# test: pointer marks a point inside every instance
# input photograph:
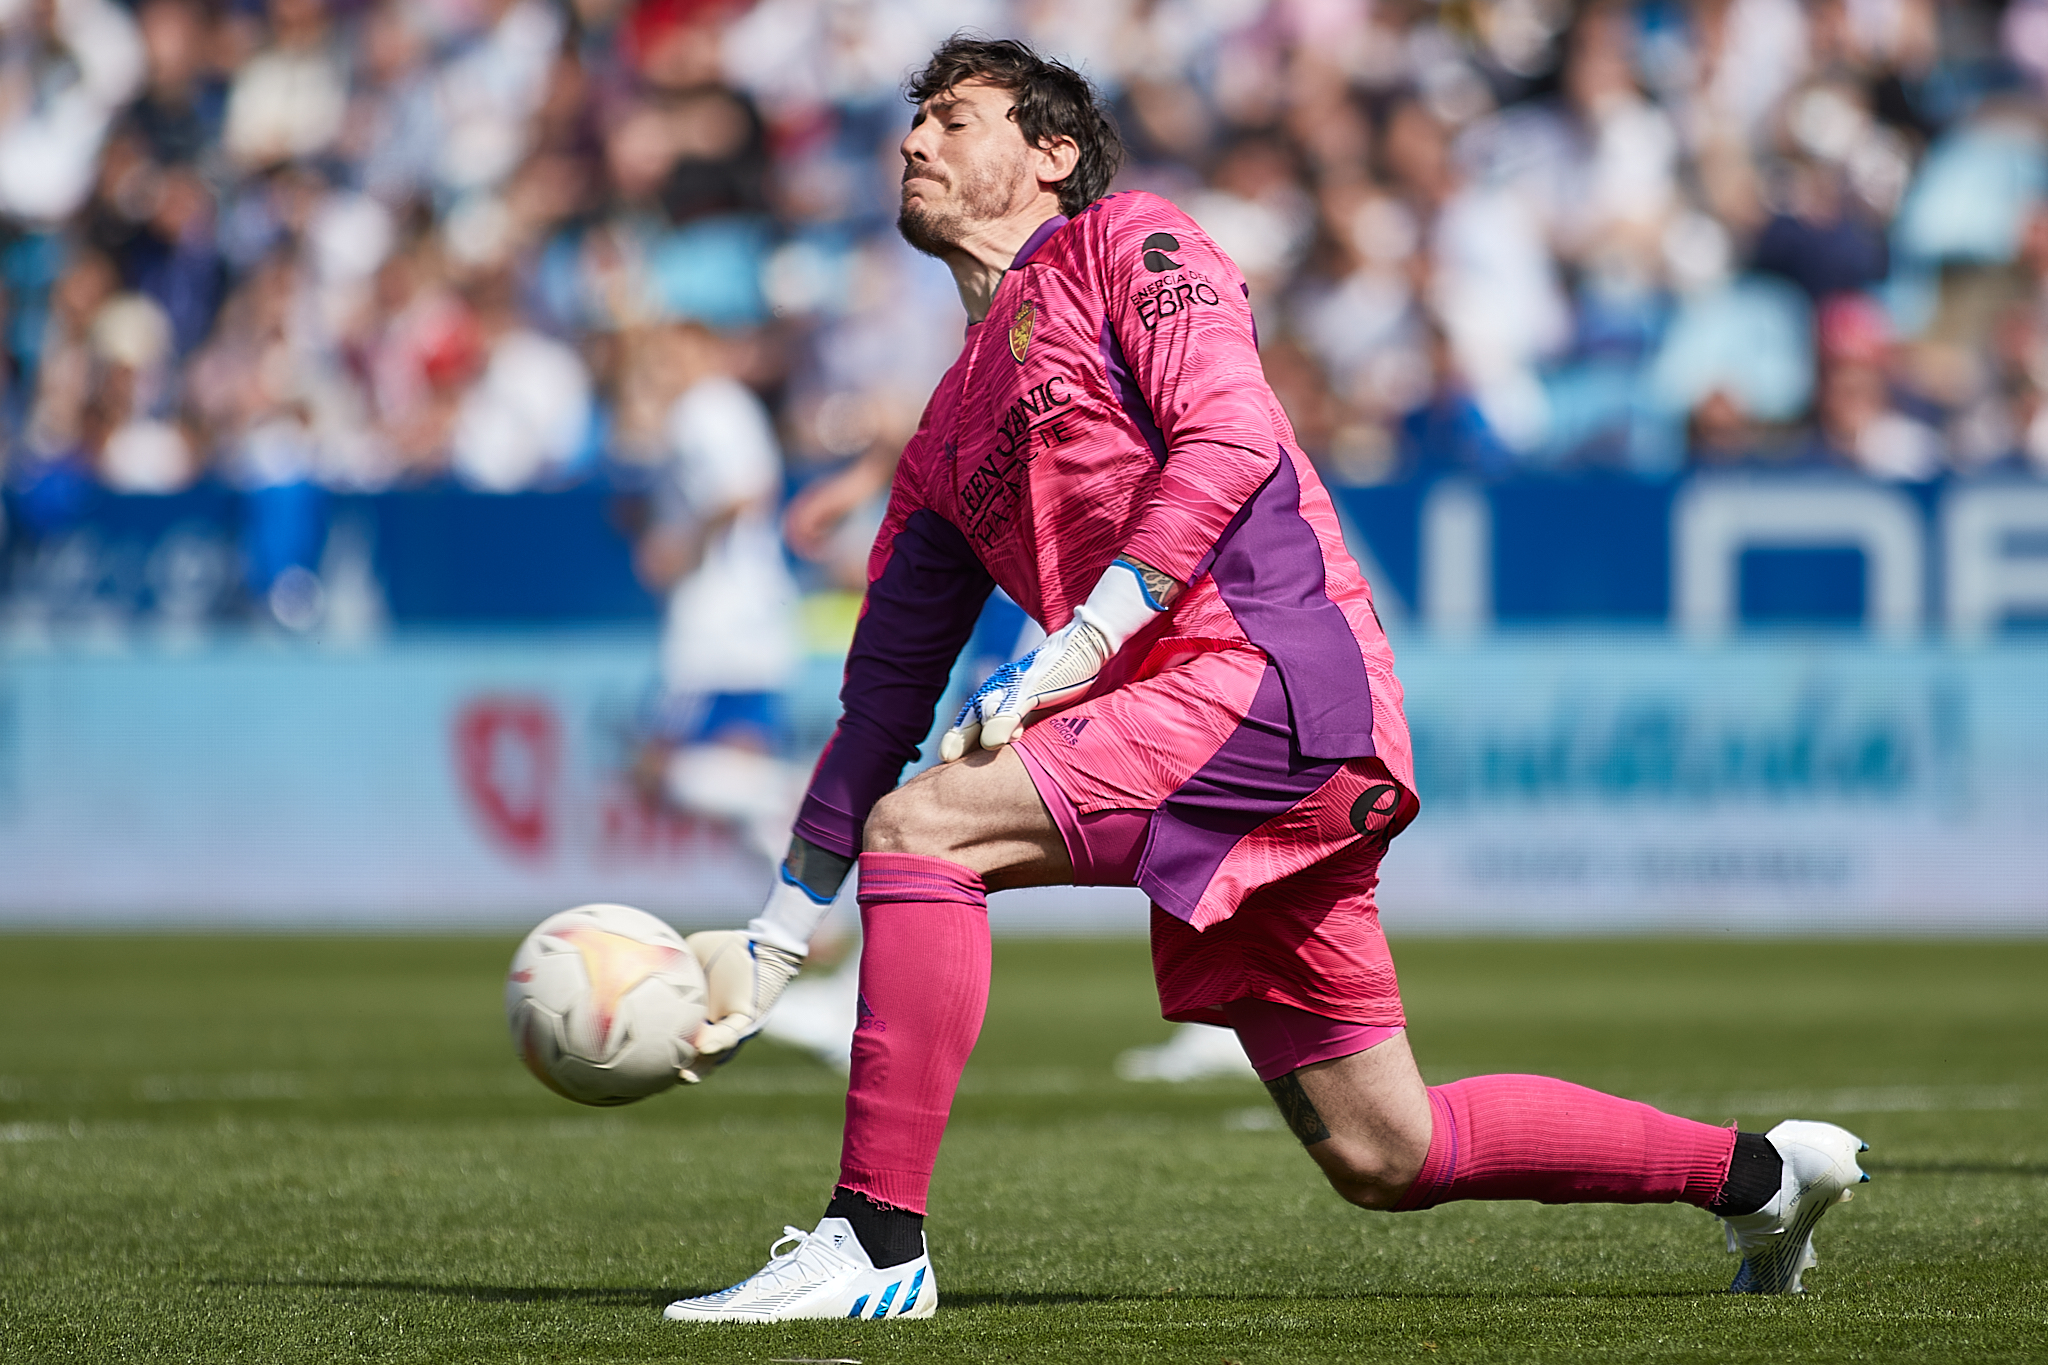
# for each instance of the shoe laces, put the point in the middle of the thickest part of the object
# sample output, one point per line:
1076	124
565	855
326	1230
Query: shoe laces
785	1266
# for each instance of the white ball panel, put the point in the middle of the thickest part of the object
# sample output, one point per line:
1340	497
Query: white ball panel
602	1001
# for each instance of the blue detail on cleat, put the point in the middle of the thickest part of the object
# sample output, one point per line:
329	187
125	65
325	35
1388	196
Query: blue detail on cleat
910	1299
1865	1180
1864	1147
858	1305
882	1308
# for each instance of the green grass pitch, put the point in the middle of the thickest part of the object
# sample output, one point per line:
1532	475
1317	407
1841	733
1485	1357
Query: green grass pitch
221	1148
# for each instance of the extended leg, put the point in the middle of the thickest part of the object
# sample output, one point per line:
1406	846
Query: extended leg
1386	1142
1364	1119
1394	1144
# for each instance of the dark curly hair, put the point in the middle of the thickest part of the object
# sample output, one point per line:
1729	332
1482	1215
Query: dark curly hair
1053	101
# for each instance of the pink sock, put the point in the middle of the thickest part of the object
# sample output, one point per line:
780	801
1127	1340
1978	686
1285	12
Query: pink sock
1531	1137
924	968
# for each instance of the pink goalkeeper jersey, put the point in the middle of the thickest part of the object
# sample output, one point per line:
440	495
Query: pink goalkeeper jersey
1111	402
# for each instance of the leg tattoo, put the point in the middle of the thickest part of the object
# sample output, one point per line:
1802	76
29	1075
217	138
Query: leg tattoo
1299	1111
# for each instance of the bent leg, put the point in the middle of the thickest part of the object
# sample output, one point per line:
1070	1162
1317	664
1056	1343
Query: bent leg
934	847
924	976
1364	1119
982	813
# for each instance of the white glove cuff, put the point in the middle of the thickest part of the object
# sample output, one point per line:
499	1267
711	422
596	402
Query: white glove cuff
1120	606
789	918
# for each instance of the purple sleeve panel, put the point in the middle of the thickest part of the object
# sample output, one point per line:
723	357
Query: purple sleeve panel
1268	567
920	610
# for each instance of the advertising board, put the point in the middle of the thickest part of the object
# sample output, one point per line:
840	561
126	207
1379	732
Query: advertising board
1603	781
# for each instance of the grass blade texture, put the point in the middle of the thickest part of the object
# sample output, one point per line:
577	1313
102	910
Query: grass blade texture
285	1149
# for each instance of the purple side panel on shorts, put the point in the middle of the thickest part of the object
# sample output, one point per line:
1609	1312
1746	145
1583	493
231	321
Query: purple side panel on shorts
1268	565
920	612
1256	774
1128	394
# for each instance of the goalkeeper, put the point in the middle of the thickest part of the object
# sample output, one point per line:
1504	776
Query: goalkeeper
1214	717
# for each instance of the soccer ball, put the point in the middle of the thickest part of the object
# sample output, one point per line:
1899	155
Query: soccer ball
602	1001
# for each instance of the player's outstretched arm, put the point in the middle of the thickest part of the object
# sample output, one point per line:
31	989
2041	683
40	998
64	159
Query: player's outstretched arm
1126	599
925	590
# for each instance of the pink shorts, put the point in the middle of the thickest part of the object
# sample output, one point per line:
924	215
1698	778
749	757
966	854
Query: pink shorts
1279	1038
1260	863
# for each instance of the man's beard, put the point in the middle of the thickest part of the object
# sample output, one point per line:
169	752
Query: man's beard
938	230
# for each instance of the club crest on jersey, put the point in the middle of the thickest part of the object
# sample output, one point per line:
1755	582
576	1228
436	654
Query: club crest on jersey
1020	329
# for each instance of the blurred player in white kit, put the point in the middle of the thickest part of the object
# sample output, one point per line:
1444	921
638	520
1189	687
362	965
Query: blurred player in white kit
728	641
1213	716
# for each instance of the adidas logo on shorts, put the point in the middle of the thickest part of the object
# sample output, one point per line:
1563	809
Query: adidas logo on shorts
1068	728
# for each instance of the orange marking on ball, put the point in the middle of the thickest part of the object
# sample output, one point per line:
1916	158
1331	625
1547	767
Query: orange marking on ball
614	965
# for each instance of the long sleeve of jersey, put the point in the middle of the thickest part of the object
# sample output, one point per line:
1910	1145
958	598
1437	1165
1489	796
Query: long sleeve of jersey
1234	498
1182	327
925	591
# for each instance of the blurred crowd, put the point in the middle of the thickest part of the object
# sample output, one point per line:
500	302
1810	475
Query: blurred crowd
357	244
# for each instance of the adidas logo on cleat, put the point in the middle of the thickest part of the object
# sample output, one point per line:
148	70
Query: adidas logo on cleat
882	1309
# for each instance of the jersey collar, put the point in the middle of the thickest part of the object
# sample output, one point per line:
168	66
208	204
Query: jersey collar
1038	239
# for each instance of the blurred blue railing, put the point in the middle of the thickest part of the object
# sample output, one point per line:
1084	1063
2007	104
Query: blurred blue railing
1706	554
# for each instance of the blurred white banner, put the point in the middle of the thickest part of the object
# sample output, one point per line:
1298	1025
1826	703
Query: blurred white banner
1780	786
1592	784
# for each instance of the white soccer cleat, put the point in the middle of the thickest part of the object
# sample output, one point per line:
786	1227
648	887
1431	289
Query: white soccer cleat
825	1274
1776	1241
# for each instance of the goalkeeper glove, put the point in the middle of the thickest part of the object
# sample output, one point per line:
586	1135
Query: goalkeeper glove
743	978
746	969
1125	600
